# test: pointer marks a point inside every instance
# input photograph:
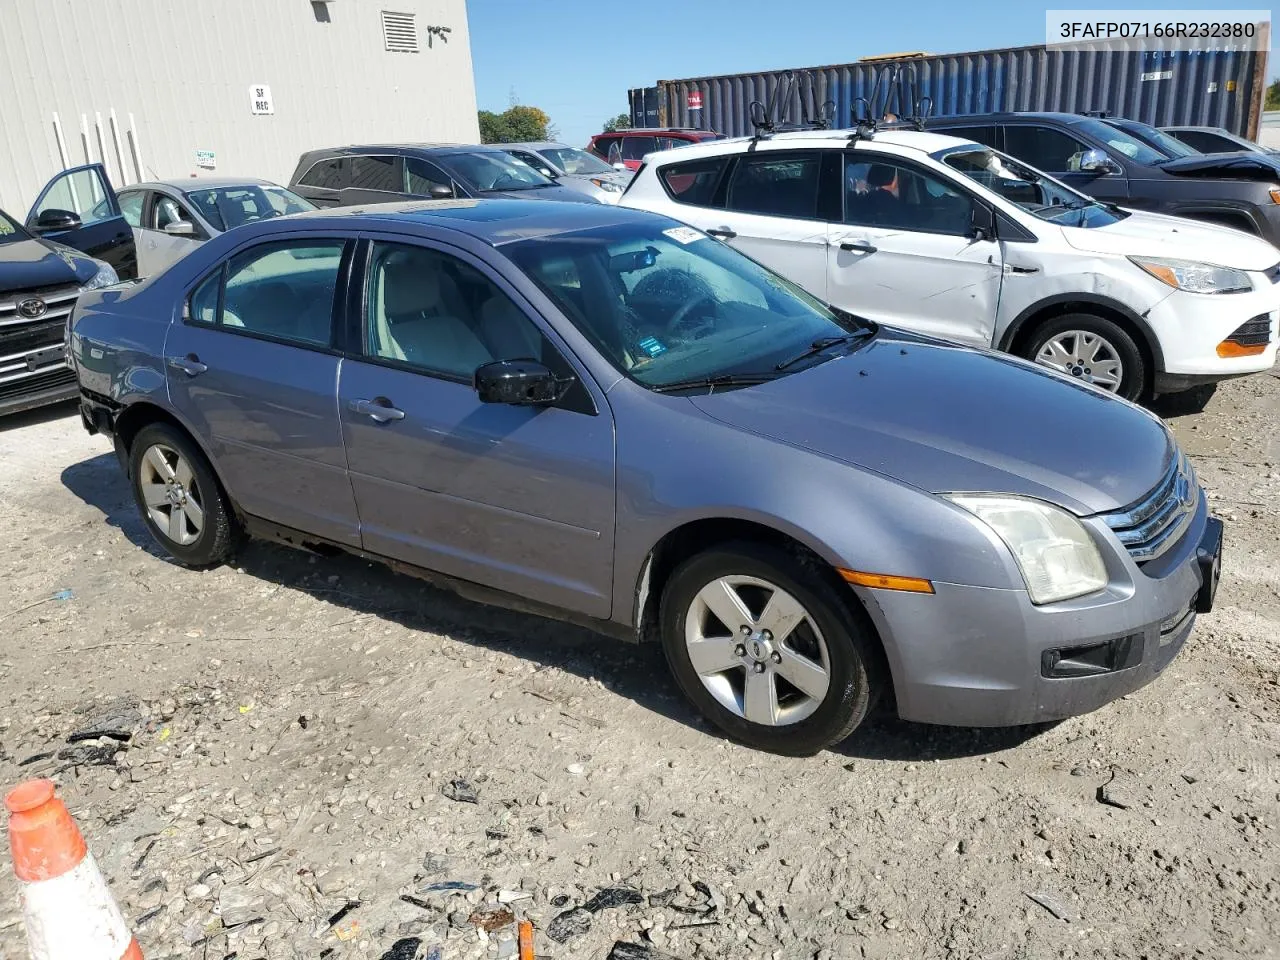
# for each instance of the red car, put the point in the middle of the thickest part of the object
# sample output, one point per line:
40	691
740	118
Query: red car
630	146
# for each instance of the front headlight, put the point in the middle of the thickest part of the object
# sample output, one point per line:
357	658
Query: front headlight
1057	557
606	186
105	276
1195	277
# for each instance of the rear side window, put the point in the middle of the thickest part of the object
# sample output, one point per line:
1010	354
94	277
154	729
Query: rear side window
376	173
603	145
131	206
328	174
777	186
634	148
693	183
1200	140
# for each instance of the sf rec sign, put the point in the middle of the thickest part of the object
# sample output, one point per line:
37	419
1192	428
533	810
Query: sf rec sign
695	99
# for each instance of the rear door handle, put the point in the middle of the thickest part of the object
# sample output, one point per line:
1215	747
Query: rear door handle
190	365
724	233
857	246
379	410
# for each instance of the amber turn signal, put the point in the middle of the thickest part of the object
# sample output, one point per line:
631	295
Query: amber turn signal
886	581
1275	194
1229	348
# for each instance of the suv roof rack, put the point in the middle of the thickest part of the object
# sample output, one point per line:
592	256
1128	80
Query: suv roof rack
766	122
900	91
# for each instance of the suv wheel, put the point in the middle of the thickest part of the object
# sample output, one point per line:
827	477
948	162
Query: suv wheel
179	497
768	652
1090	348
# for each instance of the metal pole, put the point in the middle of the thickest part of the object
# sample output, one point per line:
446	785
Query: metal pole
84	139
62	144
137	150
102	145
115	136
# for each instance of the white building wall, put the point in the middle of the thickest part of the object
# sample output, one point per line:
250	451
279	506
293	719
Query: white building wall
178	73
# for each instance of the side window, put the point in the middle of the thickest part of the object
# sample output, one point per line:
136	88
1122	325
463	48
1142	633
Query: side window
421	176
885	194
777	186
1043	148
1204	141
442	316
82	193
327	174
376	173
281	290
693	183
634	148
983	135
603	145
131	206
166	210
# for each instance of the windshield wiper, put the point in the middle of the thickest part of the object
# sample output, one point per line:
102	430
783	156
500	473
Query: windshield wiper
824	343
719	380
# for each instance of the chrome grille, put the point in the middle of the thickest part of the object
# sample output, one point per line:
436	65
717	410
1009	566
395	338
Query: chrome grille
58	302
1152	525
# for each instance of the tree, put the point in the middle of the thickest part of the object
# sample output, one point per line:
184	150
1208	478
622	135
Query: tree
1273	96
621	122
516	124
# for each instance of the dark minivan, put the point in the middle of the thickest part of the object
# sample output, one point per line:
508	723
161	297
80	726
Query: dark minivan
1111	164
344	176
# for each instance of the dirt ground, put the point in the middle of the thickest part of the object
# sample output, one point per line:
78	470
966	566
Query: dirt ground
283	737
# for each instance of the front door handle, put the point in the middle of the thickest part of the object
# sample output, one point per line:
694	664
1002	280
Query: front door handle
190	365
379	410
857	246
722	233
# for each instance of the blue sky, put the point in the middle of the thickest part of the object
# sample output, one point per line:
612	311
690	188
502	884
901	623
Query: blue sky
576	59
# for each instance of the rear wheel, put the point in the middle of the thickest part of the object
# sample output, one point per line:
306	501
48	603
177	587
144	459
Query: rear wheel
771	654
179	497
1090	348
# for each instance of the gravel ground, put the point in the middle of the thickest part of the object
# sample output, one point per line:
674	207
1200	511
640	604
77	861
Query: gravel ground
300	756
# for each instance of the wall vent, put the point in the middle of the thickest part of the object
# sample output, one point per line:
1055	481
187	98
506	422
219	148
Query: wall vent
400	32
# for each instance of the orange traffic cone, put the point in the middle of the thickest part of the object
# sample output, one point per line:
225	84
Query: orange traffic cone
69	912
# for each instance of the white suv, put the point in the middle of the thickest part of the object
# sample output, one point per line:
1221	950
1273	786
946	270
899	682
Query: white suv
950	238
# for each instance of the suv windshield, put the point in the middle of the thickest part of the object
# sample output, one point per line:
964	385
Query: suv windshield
574	161
227	207
667	304
1121	142
494	170
1033	191
10	232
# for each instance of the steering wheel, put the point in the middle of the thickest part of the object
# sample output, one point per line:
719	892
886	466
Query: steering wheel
700	327
503	178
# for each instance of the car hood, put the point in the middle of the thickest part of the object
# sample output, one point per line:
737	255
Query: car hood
556	192
1239	165
619	179
946	418
28	264
1155	235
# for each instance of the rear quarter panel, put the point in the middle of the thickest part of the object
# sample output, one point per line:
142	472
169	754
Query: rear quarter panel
117	343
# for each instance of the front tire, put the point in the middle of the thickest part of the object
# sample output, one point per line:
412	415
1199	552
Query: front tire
179	497
1090	348
767	649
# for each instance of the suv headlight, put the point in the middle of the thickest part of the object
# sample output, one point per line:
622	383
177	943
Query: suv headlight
606	186
105	276
1195	277
1057	556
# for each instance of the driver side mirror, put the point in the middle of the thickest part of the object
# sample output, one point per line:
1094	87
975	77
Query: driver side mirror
1097	162
180	228
982	222
620	167
54	219
549	173
518	382
440	192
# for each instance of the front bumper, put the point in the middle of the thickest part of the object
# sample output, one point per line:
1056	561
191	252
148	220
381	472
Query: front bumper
1192	326
984	657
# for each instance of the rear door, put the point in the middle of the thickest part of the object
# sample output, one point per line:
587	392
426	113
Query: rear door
324	181
1058	152
78	207
253	368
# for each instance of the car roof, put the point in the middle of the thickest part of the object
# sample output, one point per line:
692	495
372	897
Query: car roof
923	141
1014	115
691	131
1218	130
535	145
200	183
495	222
359	149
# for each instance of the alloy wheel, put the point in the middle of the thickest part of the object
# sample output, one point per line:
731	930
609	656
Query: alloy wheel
757	651
172	494
1086	356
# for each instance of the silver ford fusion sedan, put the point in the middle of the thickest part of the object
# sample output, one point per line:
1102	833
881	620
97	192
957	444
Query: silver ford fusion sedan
607	417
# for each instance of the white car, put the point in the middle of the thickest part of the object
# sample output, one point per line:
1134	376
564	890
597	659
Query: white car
171	218
953	239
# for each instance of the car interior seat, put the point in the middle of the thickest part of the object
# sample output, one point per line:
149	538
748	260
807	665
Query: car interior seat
411	322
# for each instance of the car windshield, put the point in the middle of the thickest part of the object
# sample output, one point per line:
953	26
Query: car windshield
1161	140
495	170
10	232
666	304
574	161
1122	142
1033	191
227	207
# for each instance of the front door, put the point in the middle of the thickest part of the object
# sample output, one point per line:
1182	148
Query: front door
78	207
169	232
776	208
520	498
253	368
1058	153
906	255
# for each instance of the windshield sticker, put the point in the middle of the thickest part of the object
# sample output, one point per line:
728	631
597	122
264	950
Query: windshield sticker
684	234
652	346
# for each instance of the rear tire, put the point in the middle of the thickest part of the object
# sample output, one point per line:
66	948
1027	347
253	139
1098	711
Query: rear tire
179	497
1092	349
795	672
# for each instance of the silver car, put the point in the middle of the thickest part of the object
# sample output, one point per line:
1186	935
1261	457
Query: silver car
572	168
170	218
608	417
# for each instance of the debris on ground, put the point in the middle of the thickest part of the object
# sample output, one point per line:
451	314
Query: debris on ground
1053	905
1116	793
460	791
492	918
572	923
